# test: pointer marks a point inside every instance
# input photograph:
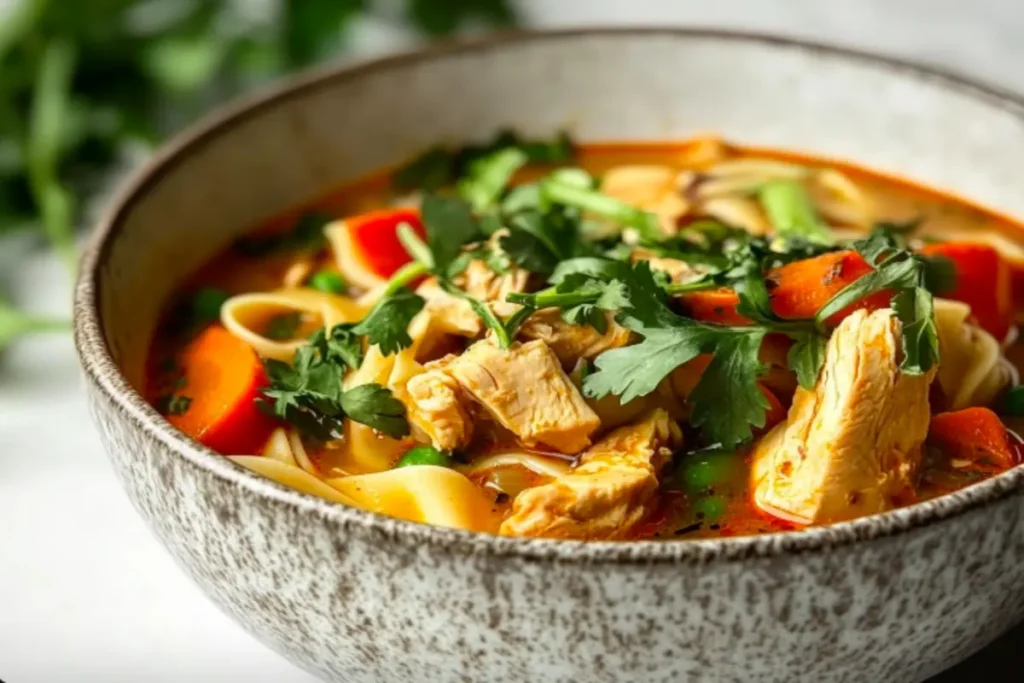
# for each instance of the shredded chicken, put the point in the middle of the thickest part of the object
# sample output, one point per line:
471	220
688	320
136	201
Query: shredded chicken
608	493
852	446
573	342
449	315
526	391
479	281
437	407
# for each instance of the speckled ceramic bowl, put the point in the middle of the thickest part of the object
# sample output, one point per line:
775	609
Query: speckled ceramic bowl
354	596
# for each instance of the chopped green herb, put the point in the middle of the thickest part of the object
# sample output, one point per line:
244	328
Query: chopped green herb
424	455
309	393
283	327
442	166
1012	402
790	211
174	404
605	206
387	324
306	235
328	281
488	177
206	305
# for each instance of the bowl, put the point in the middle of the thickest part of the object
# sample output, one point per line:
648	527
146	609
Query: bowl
353	596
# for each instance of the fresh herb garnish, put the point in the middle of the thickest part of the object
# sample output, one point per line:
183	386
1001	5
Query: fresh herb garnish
559	191
306	235
442	166
790	211
488	176
206	305
451	226
309	394
726	402
283	327
327	281
173	404
387	324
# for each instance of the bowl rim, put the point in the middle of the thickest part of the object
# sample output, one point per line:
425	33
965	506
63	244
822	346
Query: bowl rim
103	374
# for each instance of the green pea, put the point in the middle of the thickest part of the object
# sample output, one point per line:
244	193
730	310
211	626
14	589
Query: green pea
1013	402
328	281
206	304
701	472
709	508
424	455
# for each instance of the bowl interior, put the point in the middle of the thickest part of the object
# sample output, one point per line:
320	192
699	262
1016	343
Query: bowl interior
212	184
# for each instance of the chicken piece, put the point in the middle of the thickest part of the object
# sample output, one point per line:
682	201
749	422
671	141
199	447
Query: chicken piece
652	188
526	391
853	445
479	281
437	407
449	315
573	342
608	493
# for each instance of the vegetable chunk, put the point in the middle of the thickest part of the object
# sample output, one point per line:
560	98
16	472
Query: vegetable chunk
525	390
852	445
224	377
608	493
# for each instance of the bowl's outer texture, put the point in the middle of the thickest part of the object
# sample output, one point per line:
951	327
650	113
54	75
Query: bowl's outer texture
357	597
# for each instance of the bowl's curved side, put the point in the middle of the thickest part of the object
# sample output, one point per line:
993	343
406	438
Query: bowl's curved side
358	597
356	604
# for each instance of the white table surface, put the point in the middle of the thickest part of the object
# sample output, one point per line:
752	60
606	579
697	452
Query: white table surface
87	594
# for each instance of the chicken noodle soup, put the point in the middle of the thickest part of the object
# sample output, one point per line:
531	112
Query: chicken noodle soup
608	342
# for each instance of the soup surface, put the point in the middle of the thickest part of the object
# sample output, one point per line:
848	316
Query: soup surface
608	341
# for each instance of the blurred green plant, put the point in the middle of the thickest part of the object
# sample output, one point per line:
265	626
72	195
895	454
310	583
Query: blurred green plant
82	81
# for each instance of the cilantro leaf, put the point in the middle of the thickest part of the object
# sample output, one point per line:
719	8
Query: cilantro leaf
309	394
633	371
915	310
339	345
429	172
806	357
376	407
590	200
727	401
940	275
283	327
386	325
488	177
306	235
450	225
894	273
539	242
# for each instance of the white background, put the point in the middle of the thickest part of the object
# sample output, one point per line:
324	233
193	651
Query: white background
87	594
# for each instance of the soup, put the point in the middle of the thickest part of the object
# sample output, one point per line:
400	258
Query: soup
670	341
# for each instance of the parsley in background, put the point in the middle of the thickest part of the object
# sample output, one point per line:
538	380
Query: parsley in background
86	85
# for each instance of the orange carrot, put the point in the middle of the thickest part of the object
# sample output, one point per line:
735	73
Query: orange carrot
797	290
983	281
223	379
776	411
714	306
974	434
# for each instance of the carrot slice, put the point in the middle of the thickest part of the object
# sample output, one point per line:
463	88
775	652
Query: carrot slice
974	434
224	377
983	281
798	290
371	251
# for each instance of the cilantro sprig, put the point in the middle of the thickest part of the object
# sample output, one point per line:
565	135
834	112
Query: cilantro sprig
308	393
